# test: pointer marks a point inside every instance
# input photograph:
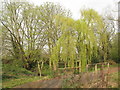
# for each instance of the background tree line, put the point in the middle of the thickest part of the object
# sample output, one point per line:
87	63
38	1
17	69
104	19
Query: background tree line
39	37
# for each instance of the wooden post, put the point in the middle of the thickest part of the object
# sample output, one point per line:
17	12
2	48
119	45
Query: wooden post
107	77
96	68
96	75
87	68
39	68
102	76
108	65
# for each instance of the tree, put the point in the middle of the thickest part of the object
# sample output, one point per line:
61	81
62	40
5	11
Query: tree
114	50
86	45
11	21
24	28
67	42
49	15
96	24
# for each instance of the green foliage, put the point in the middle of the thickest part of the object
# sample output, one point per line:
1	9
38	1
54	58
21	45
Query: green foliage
36	36
68	42
114	80
115	48
86	43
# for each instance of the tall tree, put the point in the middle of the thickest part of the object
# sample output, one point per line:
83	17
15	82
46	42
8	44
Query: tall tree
96	24
49	13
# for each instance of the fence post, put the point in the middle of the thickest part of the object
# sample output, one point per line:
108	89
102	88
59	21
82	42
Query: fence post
108	66
96	68
107	81
102	75
87	68
96	75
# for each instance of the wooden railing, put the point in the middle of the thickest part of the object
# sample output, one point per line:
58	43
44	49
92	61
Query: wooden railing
98	76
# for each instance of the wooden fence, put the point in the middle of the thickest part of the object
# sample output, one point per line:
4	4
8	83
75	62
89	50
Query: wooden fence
96	75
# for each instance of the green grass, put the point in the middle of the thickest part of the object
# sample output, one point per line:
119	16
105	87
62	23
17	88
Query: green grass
114	80
22	80
13	75
115	65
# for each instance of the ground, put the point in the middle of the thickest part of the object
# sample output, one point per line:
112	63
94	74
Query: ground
56	82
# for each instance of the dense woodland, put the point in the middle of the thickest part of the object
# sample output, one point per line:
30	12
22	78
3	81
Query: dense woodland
46	37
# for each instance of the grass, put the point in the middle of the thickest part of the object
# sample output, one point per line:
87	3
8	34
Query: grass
22	80
15	75
10	83
115	65
114	80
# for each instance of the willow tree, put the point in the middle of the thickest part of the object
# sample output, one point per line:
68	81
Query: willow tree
67	42
55	56
96	23
86	44
65	45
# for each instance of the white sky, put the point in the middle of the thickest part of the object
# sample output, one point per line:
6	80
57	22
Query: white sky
101	6
75	5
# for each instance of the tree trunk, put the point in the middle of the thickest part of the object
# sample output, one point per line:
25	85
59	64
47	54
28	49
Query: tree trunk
54	66
39	70
65	65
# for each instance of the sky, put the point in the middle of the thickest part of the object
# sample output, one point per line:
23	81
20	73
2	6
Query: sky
101	6
75	5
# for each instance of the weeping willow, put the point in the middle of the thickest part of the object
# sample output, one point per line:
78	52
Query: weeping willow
55	56
96	24
66	44
86	43
68	49
94	35
80	40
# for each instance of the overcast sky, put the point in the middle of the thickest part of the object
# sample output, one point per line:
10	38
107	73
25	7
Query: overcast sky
75	5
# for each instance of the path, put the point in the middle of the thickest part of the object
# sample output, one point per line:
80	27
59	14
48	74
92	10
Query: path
55	82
